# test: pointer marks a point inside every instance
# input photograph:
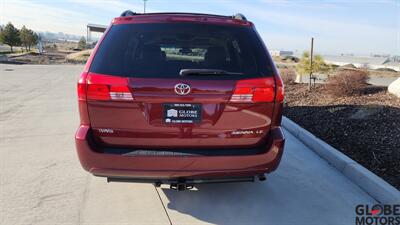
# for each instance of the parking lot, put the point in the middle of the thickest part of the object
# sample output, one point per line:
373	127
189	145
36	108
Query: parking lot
42	181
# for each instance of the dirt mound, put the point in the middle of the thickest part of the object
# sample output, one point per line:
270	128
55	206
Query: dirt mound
79	57
50	57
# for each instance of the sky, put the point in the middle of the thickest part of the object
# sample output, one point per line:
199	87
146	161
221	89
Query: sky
360	27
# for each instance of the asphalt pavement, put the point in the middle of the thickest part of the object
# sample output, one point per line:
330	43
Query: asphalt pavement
42	182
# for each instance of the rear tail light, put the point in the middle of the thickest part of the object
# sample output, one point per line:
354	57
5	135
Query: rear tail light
83	111
280	90
100	87
98	92
103	88
82	87
257	90
120	93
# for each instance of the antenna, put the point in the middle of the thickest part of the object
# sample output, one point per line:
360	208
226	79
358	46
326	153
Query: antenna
144	6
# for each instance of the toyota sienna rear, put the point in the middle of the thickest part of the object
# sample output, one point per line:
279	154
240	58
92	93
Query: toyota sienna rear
180	98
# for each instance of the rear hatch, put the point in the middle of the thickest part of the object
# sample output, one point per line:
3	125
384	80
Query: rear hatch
180	85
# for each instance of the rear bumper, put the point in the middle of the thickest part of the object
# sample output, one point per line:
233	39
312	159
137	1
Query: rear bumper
171	167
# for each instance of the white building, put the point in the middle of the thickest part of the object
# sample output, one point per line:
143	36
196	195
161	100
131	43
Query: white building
280	53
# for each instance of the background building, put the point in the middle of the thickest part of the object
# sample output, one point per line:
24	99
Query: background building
280	53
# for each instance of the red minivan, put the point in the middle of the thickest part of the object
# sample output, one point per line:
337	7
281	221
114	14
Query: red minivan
180	99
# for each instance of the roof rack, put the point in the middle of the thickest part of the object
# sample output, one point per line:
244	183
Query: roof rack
237	16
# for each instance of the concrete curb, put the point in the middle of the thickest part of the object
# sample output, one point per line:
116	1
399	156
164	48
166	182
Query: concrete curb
375	186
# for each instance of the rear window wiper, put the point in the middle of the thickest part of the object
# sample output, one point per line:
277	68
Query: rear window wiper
201	72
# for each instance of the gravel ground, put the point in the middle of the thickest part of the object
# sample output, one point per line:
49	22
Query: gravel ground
364	127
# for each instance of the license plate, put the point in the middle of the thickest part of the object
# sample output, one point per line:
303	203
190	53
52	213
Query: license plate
181	113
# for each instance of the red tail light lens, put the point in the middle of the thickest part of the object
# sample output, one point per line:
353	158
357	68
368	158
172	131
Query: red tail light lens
104	88
280	91
82	87
82	94
254	90
98	92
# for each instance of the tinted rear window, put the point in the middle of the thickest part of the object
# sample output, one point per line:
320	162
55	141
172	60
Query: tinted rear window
161	50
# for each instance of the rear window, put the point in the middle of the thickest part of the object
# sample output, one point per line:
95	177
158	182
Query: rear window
162	50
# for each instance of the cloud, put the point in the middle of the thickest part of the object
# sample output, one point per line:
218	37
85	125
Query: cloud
70	16
113	6
304	4
43	17
335	32
284	23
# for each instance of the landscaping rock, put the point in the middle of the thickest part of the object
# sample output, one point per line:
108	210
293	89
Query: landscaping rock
299	78
394	87
364	127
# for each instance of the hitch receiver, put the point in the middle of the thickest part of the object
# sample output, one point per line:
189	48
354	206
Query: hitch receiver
181	186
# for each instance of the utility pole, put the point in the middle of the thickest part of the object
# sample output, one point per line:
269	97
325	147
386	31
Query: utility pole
144	6
311	63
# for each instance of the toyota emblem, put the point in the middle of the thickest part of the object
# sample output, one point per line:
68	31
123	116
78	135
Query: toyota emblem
182	89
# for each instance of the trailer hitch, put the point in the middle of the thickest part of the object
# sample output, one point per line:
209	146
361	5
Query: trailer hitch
181	186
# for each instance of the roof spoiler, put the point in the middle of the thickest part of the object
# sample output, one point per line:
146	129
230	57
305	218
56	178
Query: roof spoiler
128	13
237	16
